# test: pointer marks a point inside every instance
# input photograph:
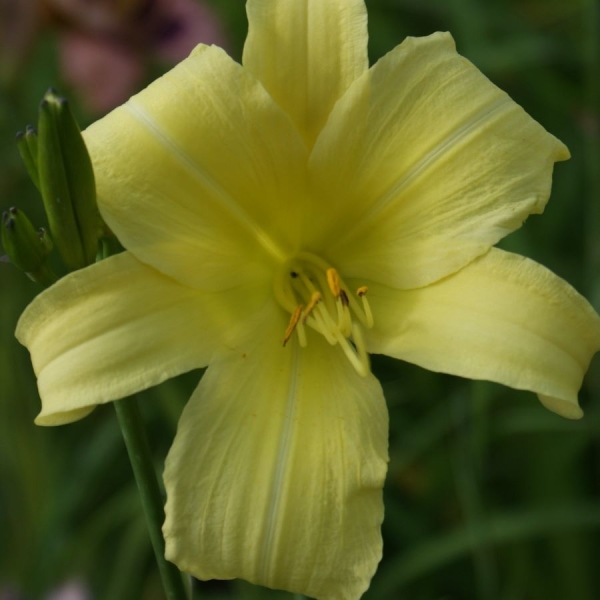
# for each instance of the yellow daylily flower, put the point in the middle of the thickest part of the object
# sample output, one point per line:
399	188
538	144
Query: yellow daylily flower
306	198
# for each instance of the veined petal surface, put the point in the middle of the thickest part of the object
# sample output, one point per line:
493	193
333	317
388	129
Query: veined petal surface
306	53
503	318
276	471
423	165
118	327
200	174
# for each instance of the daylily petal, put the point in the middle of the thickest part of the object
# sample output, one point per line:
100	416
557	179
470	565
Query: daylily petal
119	327
191	174
423	165
502	318
306	53
276	471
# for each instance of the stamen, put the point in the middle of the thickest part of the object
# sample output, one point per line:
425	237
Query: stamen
325	324
361	292
359	342
301	331
314	300
322	320
315	296
292	324
344	297
308	284
320	279
362	367
333	279
341	317
344	316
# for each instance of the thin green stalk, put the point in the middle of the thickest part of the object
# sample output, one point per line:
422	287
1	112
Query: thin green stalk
138	449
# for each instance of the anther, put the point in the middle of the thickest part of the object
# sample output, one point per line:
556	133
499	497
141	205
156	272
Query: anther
333	279
292	324
344	297
314	300
315	296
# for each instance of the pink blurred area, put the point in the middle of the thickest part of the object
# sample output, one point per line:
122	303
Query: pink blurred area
102	73
71	590
105	46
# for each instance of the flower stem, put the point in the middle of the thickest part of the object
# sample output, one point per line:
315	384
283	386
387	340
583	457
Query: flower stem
130	420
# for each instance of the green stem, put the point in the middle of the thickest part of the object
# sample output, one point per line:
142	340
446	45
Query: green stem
138	449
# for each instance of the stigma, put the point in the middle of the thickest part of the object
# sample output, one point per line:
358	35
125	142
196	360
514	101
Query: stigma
316	297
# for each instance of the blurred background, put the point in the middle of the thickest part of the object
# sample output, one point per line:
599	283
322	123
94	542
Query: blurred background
489	496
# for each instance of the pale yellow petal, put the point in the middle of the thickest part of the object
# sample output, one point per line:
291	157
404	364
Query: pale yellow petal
306	53
118	327
503	318
424	165
62	418
199	175
276	472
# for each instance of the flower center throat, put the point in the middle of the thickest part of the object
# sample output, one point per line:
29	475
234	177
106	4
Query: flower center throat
315	296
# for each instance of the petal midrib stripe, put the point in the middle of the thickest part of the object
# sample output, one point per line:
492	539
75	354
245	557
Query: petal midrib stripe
285	445
422	166
226	200
127	322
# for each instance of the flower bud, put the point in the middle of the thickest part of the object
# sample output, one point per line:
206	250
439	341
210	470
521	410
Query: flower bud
26	248
45	240
67	183
27	145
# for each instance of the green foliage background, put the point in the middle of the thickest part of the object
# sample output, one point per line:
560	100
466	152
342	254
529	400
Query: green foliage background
489	496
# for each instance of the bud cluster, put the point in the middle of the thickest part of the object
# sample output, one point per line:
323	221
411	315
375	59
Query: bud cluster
27	248
59	165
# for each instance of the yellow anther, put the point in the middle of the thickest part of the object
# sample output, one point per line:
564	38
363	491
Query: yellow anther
333	279
292	324
314	300
316	297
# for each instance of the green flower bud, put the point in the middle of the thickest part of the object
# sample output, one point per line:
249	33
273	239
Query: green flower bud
27	145
26	248
67	183
45	240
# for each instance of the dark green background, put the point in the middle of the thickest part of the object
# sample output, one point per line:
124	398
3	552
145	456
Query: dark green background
489	496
